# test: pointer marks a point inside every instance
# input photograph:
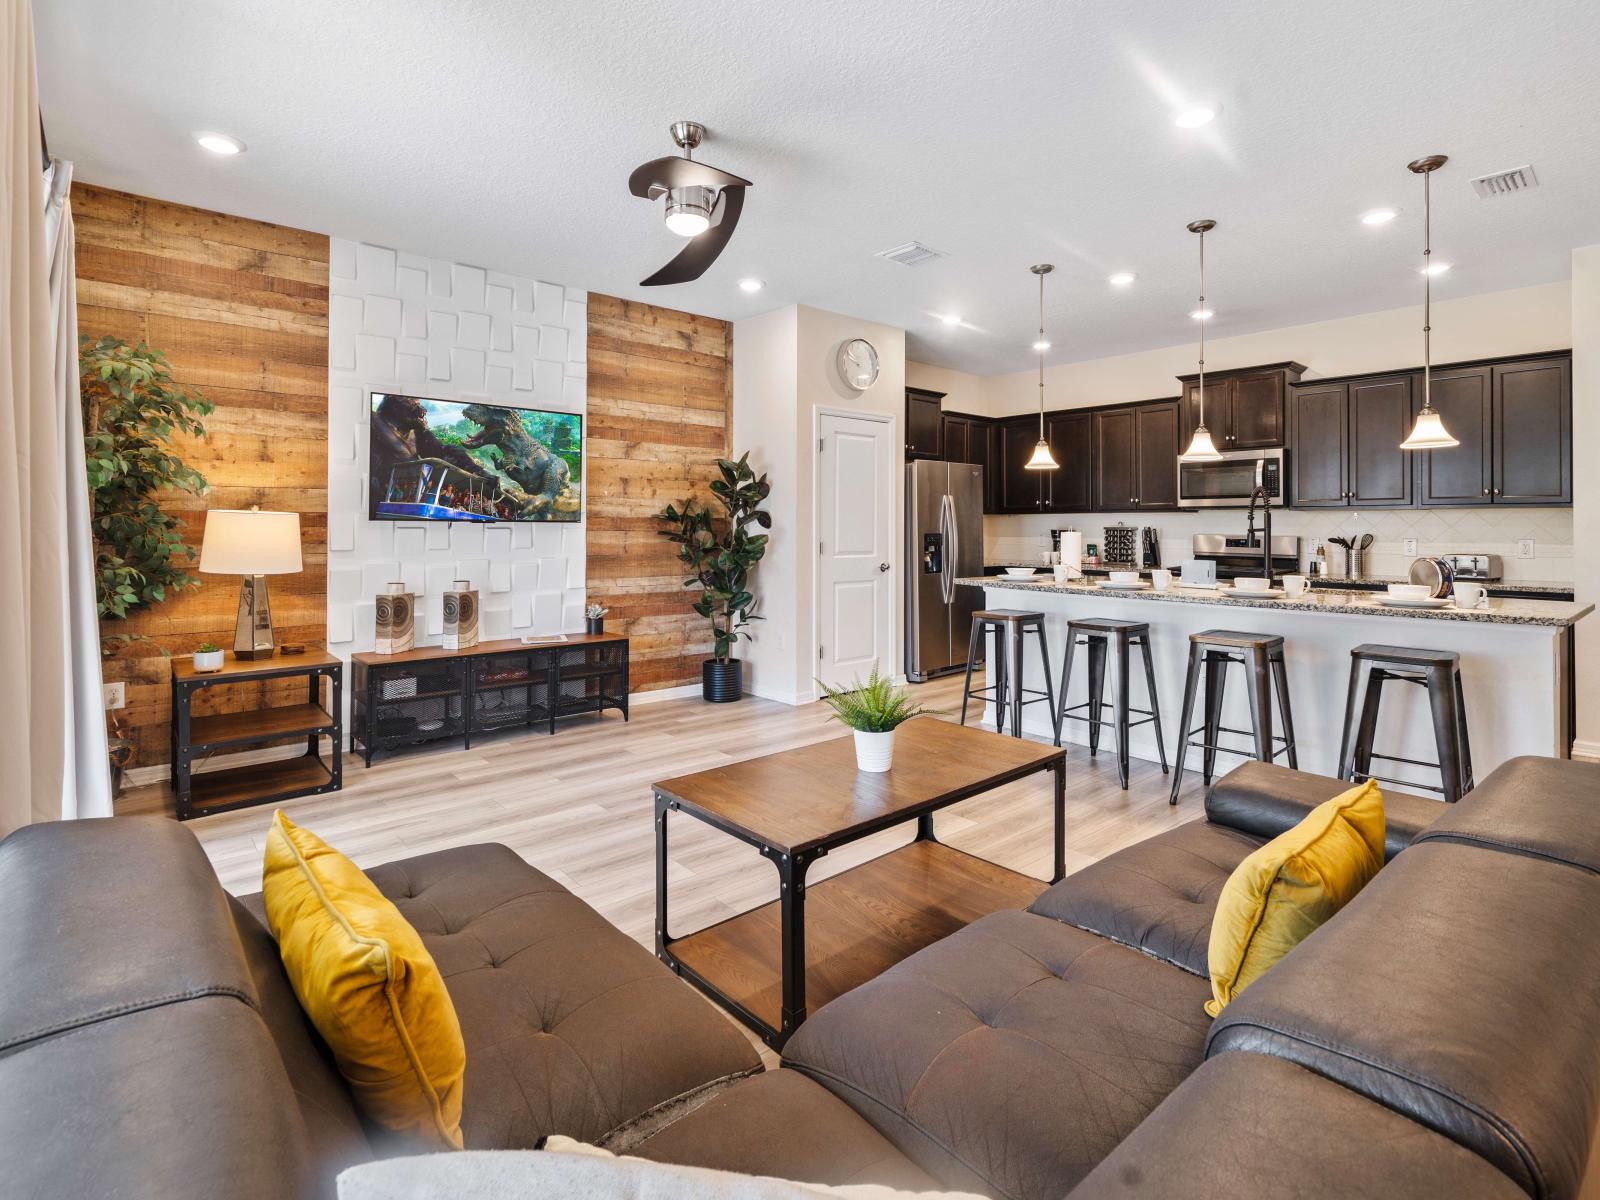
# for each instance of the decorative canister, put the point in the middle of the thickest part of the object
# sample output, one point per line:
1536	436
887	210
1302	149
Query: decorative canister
396	624
460	616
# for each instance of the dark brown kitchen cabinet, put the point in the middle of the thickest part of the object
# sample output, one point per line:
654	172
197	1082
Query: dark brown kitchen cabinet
1135	457
1344	445
965	439
924	424
1464	474
1244	408
1020	490
1319	450
1070	487
1532	426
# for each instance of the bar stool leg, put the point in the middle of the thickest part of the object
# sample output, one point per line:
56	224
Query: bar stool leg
1442	703
1346	751
1361	752
1121	714
1261	705
1191	684
1155	703
1097	689
1216	688
1044	667
998	657
1066	681
1467	781
1021	676
974	640
1280	681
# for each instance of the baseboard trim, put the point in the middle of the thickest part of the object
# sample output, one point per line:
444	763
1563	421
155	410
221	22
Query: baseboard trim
1587	750
655	695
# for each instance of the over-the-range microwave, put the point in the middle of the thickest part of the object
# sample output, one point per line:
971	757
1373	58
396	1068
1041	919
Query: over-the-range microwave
1230	481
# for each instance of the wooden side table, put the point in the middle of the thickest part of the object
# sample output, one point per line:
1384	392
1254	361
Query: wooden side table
256	783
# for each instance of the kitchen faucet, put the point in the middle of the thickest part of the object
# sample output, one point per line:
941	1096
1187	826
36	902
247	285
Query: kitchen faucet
1266	530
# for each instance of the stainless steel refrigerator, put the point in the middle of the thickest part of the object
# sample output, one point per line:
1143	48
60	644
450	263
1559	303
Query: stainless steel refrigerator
944	542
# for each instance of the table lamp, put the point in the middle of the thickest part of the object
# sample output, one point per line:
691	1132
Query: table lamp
254	544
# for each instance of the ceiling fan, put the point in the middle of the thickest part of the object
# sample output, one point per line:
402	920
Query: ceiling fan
696	194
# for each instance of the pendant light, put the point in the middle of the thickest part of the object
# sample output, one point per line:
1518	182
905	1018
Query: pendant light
1042	459
1201	448
1429	432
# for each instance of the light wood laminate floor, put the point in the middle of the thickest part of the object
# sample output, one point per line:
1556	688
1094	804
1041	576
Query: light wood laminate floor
578	807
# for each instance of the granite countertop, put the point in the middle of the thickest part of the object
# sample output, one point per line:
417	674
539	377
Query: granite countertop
1323	600
1321	582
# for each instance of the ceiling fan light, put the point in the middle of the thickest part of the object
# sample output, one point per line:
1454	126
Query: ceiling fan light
1042	459
689	210
1429	433
1201	448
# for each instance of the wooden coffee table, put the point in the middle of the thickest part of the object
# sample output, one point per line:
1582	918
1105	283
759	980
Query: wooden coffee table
766	965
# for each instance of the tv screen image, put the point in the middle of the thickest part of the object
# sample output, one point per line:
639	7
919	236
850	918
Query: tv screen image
440	460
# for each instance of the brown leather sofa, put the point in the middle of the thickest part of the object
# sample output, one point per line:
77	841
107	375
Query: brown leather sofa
1437	1037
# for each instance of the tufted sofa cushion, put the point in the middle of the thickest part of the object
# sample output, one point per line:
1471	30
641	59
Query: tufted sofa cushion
1157	896
1012	1056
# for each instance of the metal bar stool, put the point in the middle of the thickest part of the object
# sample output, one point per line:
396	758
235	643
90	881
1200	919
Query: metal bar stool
1211	653
1008	626
1439	671
1098	634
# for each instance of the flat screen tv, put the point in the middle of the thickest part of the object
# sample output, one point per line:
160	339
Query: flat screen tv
440	460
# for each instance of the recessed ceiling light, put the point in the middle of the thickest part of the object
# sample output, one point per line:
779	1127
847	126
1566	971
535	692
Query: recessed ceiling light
1378	216
219	143
751	285
1121	279
1434	269
951	318
1196	115
1041	345
1202	314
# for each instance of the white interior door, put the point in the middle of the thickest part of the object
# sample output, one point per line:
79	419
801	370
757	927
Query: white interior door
855	518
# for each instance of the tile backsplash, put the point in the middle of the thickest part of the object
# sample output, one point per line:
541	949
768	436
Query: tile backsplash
1436	530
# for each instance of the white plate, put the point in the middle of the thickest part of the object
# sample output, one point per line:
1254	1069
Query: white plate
1430	602
1020	573
1125	587
1269	593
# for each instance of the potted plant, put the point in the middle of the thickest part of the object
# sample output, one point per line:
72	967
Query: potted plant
873	709
208	657
720	551
594	618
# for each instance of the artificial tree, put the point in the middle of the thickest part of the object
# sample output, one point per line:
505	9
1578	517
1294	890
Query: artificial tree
720	552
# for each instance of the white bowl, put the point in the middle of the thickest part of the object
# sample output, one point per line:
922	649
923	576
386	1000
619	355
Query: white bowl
1252	583
1019	572
1410	591
1124	576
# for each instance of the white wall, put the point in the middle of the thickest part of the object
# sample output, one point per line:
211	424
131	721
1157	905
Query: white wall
962	392
1585	336
402	323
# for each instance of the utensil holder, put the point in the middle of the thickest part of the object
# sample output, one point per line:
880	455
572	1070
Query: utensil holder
1355	564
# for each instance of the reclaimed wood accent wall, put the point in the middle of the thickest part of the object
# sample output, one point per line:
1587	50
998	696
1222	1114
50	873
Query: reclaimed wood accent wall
660	410
241	310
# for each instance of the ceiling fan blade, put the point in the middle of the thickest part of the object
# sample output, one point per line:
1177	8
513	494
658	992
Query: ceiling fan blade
702	250
651	179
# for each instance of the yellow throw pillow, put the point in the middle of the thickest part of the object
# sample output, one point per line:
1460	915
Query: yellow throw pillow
368	984
1291	885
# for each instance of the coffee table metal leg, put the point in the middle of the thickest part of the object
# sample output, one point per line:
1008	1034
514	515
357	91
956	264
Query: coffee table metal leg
662	936
1060	770
792	897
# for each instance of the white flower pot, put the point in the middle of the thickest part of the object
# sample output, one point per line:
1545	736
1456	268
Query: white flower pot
874	751
209	660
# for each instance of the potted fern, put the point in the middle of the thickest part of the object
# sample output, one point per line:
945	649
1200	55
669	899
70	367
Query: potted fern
874	710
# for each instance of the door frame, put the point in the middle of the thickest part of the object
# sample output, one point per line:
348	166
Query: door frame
896	486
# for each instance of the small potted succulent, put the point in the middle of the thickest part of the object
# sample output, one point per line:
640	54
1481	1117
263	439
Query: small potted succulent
594	618
873	710
208	657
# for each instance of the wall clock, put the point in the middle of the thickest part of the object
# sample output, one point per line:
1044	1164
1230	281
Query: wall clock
858	364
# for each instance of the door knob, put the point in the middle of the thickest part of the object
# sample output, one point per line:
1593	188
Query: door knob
883	566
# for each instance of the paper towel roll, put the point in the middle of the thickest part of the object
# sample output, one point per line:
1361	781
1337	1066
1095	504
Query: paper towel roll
1072	549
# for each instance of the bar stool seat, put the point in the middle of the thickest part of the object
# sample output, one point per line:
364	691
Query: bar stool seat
1437	671
1099	634
1210	654
1008	627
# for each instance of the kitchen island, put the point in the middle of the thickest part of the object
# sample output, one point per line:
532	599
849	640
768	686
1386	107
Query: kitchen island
1515	665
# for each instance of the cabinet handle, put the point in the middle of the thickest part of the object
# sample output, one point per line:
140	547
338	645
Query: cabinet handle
1485	491
1496	491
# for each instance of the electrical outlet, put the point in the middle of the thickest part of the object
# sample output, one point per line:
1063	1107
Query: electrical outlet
1524	547
1411	547
115	695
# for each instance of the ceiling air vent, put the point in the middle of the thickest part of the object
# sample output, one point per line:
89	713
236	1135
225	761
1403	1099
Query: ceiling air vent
910	254
1503	183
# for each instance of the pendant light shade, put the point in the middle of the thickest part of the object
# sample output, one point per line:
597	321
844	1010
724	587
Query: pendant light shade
1201	447
1429	432
1042	459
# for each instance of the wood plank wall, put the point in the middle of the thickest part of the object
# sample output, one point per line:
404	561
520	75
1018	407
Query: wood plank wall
660	410
241	309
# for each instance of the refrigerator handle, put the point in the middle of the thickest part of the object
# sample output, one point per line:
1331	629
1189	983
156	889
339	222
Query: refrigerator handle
953	548
947	535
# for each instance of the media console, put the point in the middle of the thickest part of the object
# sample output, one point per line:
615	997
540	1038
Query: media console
431	694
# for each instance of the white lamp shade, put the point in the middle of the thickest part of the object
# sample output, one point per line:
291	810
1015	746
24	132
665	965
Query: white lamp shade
1201	447
250	542
1042	459
1429	433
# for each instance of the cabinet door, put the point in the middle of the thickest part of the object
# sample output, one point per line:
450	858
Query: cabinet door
1070	488
1256	412
1021	490
993	470
1115	460
1318	455
1460	475
1381	414
923	423
1219	411
953	439
1156	464
1533	433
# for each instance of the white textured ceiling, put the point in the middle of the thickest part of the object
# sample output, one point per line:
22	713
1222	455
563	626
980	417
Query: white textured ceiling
502	132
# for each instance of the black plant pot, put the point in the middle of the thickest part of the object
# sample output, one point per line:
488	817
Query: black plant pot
722	682
595	624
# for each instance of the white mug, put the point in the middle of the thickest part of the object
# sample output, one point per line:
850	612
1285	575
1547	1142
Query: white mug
1294	586
1062	572
1160	579
1471	595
